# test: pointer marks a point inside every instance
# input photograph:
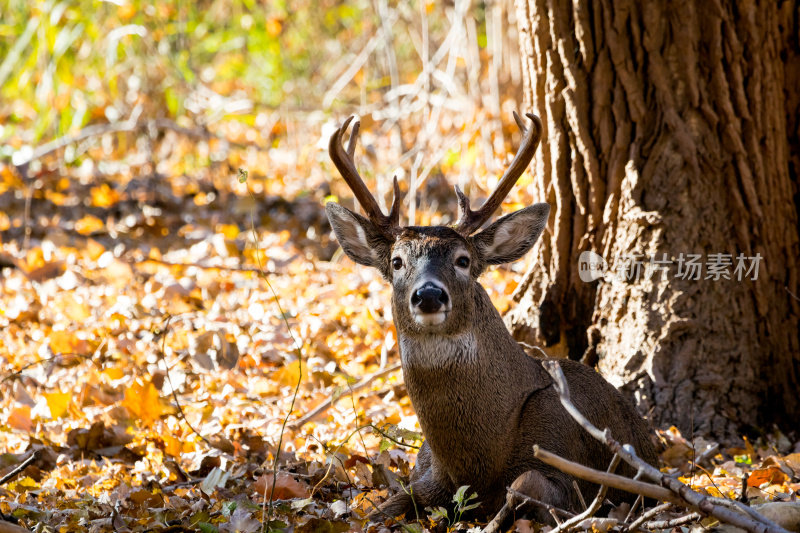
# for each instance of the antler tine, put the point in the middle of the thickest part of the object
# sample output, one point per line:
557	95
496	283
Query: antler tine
344	161
470	220
351	145
394	213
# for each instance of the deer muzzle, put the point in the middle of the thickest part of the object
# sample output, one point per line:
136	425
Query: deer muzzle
430	304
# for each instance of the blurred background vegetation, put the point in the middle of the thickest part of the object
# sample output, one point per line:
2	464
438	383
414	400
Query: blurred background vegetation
70	64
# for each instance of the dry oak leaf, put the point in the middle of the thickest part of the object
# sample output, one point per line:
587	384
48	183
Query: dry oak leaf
286	487
772	475
143	402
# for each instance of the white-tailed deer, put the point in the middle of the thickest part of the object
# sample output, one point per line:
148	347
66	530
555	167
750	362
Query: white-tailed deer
482	402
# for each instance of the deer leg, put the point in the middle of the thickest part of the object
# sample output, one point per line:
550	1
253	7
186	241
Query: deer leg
553	490
426	489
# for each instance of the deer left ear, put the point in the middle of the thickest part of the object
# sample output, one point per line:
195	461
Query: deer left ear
511	236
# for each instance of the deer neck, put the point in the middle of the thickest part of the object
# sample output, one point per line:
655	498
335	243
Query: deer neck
470	384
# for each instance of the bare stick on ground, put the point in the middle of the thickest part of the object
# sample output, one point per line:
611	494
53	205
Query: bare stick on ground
593	507
324	406
730	512
19	468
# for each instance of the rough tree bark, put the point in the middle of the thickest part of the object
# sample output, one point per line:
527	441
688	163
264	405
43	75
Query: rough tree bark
671	127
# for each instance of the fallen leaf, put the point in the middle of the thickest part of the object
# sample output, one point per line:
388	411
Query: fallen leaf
144	403
286	487
20	418
58	402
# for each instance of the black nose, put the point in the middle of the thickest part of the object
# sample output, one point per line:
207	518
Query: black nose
429	298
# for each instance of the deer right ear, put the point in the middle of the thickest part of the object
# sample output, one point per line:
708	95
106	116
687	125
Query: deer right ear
511	236
359	238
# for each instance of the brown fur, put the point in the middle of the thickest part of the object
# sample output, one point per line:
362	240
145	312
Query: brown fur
482	402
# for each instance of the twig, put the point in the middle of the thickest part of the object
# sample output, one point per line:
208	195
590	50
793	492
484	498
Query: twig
742	516
125	126
597	524
56	359
19	468
197	265
352	69
579	493
324	406
793	295
595	505
635	505
647	515
647	490
669	524
298	350
169	380
505	511
533	501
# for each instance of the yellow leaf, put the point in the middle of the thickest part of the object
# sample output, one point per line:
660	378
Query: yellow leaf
89	224
77	311
229	230
103	196
58	402
113	373
23	484
289	374
143	402
94	249
63	342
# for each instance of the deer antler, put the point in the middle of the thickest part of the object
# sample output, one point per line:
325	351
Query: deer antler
343	159
469	220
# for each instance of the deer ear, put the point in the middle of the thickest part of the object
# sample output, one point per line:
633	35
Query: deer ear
359	238
511	236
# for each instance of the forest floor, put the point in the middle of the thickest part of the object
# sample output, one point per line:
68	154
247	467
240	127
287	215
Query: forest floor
172	309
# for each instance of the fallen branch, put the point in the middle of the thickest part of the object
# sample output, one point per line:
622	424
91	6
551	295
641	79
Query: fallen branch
675	522
19	468
734	513
8	527
647	515
324	406
648	490
593	507
522	499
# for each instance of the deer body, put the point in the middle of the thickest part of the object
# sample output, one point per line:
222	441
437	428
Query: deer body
482	402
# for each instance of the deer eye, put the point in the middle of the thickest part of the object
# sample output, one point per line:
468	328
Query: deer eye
462	262
397	263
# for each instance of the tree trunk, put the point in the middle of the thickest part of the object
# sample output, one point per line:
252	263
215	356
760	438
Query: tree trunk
671	127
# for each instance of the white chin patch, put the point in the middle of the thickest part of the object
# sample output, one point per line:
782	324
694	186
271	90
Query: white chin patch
430	319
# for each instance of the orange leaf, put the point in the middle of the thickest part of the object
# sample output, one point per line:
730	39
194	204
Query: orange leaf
143	402
20	418
772	475
286	487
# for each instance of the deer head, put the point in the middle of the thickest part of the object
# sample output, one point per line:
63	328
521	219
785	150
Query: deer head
433	269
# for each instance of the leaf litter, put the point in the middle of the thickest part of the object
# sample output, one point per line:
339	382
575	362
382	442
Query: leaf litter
151	368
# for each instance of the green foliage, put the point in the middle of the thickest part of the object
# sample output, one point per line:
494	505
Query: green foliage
463	503
67	63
